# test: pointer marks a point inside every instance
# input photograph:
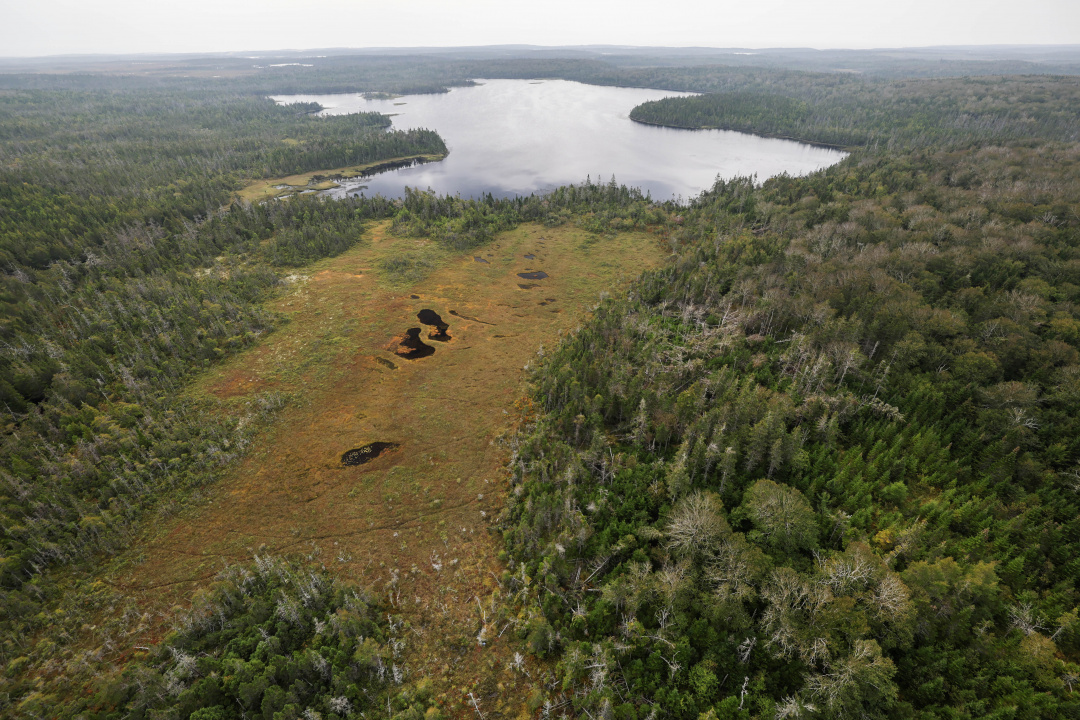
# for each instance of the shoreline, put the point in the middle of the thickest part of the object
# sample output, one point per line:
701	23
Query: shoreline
268	189
770	136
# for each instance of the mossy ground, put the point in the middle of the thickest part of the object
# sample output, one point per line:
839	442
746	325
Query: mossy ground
415	523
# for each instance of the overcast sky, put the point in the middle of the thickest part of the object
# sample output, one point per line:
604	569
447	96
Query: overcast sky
47	27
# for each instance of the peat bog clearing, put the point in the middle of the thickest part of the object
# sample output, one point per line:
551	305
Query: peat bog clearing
388	472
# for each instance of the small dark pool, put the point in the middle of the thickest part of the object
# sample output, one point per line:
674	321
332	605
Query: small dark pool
432	318
412	347
455	313
366	453
429	317
534	275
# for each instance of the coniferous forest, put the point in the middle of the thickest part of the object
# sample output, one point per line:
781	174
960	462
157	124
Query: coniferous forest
823	463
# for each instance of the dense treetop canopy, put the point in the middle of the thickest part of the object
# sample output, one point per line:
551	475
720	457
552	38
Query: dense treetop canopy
824	463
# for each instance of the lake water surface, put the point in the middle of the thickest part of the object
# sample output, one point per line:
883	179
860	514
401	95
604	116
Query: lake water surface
516	137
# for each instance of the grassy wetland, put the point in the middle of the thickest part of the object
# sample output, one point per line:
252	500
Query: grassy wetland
415	521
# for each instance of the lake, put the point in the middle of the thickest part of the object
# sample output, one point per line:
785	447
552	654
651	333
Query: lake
517	137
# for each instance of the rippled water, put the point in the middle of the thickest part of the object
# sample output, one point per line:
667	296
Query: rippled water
511	137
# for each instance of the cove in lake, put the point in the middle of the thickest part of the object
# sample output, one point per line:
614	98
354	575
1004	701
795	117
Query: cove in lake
517	137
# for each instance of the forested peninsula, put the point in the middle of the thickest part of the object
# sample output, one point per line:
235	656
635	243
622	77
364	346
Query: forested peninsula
824	462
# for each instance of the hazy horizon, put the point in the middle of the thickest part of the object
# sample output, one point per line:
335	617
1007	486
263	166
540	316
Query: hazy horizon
435	49
126	27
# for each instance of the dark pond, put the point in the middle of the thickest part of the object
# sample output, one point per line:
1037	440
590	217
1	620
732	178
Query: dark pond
535	275
367	453
412	347
516	137
432	318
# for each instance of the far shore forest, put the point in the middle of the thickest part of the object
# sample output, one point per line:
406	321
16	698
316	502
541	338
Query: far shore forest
824	462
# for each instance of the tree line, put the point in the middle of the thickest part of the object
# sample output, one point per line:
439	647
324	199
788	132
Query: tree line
954	112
